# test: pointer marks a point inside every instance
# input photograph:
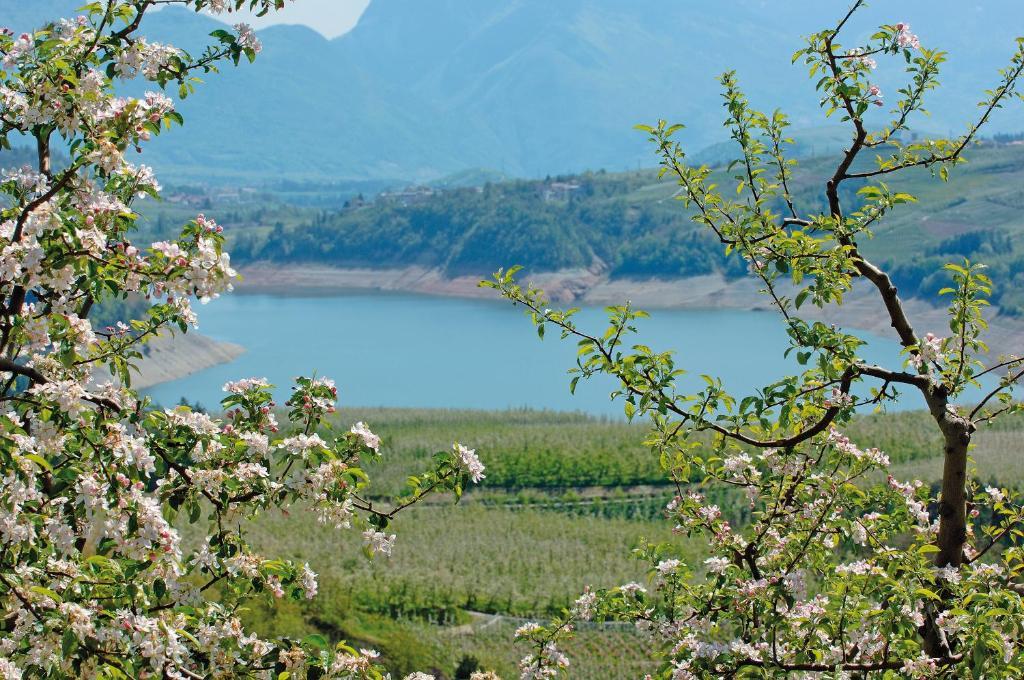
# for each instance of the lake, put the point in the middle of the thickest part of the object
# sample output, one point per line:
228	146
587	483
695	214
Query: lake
418	351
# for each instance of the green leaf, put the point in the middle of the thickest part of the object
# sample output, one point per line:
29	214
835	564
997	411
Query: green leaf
68	643
317	641
39	460
46	592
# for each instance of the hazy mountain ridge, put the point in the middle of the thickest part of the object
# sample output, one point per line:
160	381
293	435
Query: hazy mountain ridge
423	89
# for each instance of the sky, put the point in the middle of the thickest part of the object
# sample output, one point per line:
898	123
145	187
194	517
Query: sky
331	18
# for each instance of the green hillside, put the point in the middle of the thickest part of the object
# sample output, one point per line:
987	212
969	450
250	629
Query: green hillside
627	225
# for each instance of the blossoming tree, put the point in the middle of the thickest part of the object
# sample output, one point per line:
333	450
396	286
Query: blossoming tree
95	580
843	570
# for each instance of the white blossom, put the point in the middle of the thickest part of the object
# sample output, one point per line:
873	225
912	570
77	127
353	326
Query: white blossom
378	542
370	440
470	463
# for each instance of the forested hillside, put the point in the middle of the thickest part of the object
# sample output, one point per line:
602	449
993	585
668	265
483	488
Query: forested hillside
628	225
613	222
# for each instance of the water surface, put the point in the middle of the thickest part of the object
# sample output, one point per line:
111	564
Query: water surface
418	351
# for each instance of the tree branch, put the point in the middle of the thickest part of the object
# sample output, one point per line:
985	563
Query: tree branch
8	366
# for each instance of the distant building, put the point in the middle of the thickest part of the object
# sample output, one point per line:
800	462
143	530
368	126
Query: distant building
558	192
192	200
408	196
228	196
354	203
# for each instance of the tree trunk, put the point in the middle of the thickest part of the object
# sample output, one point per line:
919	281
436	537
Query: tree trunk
953	501
43	152
956	434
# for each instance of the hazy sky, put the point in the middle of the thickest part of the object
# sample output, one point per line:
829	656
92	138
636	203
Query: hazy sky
329	17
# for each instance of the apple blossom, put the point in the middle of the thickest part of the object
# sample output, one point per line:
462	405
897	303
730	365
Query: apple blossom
379	542
470	462
247	38
371	440
906	39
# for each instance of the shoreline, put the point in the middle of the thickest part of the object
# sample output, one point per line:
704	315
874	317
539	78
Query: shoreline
174	357
575	286
861	310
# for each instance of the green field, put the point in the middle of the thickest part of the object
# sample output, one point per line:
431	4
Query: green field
524	544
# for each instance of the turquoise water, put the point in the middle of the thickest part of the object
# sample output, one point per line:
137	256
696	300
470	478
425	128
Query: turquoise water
417	351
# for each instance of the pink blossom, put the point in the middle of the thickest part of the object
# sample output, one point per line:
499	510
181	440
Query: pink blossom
906	39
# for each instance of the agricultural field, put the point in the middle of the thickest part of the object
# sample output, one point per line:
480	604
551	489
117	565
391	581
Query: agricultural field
560	489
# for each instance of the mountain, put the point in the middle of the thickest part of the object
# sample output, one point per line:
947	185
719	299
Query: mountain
420	89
